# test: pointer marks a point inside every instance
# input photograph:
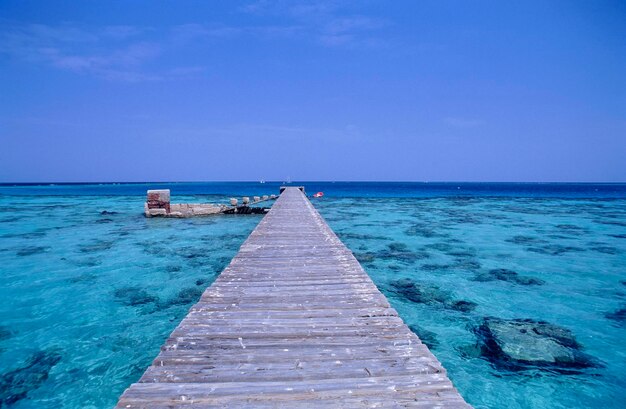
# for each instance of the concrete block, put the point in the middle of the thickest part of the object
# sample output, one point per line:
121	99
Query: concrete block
157	212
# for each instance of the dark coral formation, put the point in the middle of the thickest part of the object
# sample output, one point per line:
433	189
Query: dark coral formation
618	316
16	384
96	245
503	274
429	338
604	249
173	268
436	267
202	281
5	333
400	252
521	344
365	257
555	249
423	230
30	250
526	240
395	251
359	236
134	296
429	294
463	306
467	264
185	296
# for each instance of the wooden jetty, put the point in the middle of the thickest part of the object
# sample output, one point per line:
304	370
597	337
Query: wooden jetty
293	322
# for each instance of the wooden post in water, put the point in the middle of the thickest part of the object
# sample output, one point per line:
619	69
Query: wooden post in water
293	322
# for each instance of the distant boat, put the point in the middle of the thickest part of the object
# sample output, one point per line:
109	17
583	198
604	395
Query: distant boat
262	181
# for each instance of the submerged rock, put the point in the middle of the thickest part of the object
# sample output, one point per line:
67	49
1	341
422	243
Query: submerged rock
461	253
604	249
521	344
463	306
400	252
15	385
419	293
83	278
467	264
5	333
30	250
87	262
525	240
184	297
554	249
436	267
429	294
503	274
570	228
366	257
442	246
97	245
173	268
427	337
201	281
619	316
30	235
107	212
358	236
134	296
422	230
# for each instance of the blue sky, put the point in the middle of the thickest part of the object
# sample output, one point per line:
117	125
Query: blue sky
338	90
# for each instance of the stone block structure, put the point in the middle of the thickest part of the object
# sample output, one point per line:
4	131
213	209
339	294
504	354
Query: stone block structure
158	202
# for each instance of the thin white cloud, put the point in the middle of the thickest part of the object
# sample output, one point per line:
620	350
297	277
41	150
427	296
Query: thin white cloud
126	53
116	53
326	22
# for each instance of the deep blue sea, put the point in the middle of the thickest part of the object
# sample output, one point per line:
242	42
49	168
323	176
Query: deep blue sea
90	288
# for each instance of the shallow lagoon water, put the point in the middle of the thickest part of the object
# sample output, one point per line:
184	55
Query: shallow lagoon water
101	291
87	297
564	263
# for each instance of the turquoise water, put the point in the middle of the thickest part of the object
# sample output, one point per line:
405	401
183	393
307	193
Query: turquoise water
570	260
87	298
97	292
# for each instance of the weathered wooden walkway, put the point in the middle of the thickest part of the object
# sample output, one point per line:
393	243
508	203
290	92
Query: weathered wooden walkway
293	322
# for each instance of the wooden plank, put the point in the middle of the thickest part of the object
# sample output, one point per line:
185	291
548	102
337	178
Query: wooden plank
293	321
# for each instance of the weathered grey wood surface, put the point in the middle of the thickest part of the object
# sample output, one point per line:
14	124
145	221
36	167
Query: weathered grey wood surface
293	322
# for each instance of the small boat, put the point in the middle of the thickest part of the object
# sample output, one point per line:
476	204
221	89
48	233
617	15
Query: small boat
318	194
